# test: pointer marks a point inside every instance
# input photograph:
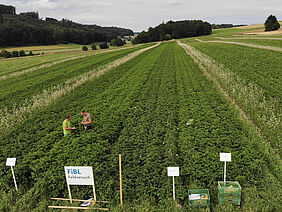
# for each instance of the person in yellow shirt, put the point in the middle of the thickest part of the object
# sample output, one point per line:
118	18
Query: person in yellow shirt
67	126
87	120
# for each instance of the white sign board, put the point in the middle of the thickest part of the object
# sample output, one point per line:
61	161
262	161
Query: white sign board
11	162
173	171
225	157
79	175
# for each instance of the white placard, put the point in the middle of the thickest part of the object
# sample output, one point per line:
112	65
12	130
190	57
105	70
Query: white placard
11	162
79	175
225	157
173	171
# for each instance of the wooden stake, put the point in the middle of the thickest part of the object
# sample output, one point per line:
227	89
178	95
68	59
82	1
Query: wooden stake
70	194
120	178
78	208
94	193
14	178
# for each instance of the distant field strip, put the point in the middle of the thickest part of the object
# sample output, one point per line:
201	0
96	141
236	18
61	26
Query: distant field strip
248	38
10	119
47	65
272	48
247	97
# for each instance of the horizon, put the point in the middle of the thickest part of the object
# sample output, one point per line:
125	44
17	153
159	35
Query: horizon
147	13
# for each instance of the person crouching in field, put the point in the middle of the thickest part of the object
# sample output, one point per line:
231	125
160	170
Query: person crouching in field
67	126
87	120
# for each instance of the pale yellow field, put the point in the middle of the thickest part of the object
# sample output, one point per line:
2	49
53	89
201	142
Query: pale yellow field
260	31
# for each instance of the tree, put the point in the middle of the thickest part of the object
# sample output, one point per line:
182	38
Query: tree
84	48
22	53
104	45
167	37
93	47
271	23
15	53
6	54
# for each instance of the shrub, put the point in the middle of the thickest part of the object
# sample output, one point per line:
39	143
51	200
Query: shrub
167	37
93	47
22	53
84	48
30	53
6	54
15	53
104	45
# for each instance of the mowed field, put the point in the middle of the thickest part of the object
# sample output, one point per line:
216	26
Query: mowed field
177	103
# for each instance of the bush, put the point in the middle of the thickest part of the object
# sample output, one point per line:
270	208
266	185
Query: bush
117	42
104	45
271	23
22	53
167	37
84	48
93	47
6	54
30	53
15	53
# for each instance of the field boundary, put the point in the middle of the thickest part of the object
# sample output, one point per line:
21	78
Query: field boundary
46	97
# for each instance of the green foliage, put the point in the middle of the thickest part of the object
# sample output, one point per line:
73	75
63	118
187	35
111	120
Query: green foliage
22	53
93	47
27	29
15	53
6	54
104	45
143	110
84	48
178	29
271	23
117	42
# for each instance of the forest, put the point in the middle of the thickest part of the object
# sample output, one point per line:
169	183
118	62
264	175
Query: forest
174	30
28	29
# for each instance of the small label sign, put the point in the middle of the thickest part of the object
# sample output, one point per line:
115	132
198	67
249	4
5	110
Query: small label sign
79	175
225	157
173	171
11	162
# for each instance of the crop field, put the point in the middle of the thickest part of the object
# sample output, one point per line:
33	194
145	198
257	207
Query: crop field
158	105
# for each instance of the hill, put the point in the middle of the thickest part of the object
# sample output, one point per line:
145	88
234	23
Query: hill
28	29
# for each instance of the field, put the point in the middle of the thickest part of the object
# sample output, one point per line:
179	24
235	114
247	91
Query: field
177	103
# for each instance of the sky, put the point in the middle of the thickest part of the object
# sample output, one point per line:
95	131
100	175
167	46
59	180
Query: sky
139	15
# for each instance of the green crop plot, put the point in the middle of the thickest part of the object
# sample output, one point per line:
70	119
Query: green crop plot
157	110
258	71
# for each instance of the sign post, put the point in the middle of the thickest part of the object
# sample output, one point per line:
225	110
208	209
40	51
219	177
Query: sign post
79	175
12	162
173	171
226	157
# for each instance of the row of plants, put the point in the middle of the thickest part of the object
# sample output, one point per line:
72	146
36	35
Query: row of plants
208	125
20	64
252	78
19	90
158	110
42	150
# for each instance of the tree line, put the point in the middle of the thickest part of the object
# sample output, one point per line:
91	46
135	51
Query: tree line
174	30
28	29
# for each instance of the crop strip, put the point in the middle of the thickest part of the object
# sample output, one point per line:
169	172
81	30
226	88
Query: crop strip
47	97
237	90
47	65
272	48
248	38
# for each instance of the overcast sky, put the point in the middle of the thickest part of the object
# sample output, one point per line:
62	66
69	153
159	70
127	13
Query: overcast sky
139	15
